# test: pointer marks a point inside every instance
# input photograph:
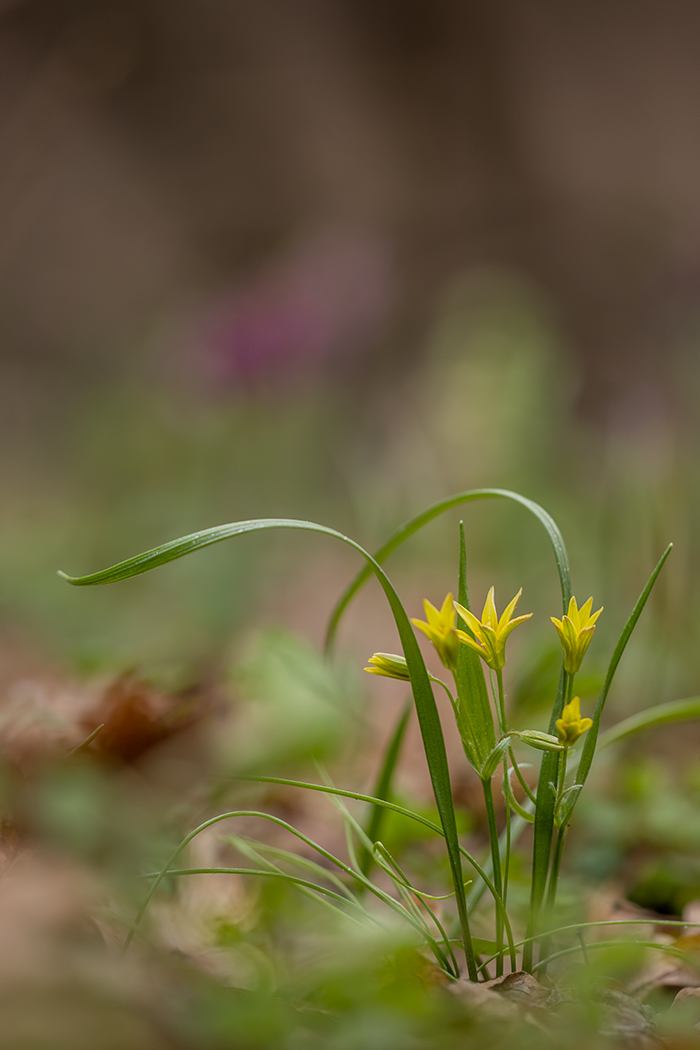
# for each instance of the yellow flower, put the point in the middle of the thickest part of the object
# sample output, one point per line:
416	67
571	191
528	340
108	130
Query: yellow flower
490	633
389	665
440	629
571	726
575	631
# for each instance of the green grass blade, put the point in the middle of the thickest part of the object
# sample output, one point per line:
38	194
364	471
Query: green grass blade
485	880
417	523
659	715
253	849
662	714
383	787
591	739
426	708
474	718
667	949
293	879
576	926
544	825
165	870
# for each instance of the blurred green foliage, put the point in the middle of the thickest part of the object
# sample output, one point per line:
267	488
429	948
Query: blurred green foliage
119	469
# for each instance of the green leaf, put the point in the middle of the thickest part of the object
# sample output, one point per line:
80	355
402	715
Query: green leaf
383	787
417	523
426	708
544	825
591	740
495	758
473	711
485	881
659	715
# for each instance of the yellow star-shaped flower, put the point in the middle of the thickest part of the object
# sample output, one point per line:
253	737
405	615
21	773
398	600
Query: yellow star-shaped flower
575	630
440	629
490	633
571	726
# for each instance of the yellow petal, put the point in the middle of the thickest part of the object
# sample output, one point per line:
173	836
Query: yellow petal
470	619
467	640
425	628
570	630
509	610
447	615
574	710
585	610
572	611
431	613
489	615
503	632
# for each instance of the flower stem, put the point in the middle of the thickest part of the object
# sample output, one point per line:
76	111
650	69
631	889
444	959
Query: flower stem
497	873
552	888
545	809
501	703
506	866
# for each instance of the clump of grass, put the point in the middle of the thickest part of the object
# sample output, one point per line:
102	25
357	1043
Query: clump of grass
473	652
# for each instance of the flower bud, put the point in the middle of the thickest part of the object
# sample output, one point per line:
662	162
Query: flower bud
540	741
494	759
389	666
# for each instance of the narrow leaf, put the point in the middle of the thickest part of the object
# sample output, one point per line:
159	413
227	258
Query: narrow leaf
659	715
592	734
383	787
417	523
474	718
426	708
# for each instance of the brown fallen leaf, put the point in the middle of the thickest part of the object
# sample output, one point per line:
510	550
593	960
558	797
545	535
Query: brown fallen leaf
135	717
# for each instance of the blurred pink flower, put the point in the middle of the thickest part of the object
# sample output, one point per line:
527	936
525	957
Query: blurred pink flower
330	295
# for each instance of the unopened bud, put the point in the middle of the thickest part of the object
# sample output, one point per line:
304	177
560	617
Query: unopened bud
389	666
540	741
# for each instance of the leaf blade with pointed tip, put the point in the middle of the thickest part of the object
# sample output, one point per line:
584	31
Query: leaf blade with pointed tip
426	708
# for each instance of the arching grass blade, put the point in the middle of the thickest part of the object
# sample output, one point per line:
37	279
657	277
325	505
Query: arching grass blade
426	708
415	524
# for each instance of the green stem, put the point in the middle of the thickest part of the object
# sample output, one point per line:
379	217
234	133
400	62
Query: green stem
501	702
518	772
464	726
496	862
552	888
561	782
506	867
545	809
382	789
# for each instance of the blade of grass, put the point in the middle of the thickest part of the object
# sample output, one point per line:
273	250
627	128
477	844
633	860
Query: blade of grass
383	787
415	524
668	949
544	811
473	711
574	927
426	708
245	845
260	872
485	880
86	742
659	715
543	826
592	734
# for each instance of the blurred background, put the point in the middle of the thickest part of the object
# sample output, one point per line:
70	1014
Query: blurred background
336	261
